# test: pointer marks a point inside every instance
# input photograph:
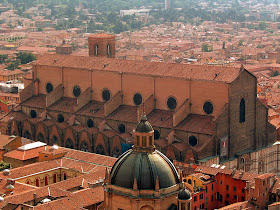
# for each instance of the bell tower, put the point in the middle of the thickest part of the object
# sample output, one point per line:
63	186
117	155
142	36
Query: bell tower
102	45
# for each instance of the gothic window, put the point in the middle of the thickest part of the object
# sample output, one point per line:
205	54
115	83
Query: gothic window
137	99
49	87
171	103
54	178
69	143
108	49
41	137
106	95
208	107
33	113
26	134
77	91
90	123
46	180
96	49
242	111
121	128
37	182
60	118
84	146
193	141
100	150
156	134
116	152
54	139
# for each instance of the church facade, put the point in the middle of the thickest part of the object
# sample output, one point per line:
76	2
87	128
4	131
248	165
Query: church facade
93	103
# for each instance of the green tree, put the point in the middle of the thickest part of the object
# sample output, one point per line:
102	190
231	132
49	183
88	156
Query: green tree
40	29
13	65
206	47
276	73
224	45
26	57
262	25
3	57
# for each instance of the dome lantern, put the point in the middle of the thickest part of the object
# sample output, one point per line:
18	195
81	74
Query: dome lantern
144	135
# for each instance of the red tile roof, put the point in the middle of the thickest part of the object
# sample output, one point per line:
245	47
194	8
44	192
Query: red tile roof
185	71
25	155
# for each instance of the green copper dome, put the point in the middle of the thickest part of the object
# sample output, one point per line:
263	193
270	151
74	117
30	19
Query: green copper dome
146	167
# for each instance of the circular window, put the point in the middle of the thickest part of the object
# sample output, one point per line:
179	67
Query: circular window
106	95
171	103
192	140
90	123
137	99
60	118
208	107
49	87
121	128
76	91
156	134
33	113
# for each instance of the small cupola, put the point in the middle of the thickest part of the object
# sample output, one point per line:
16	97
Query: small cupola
144	135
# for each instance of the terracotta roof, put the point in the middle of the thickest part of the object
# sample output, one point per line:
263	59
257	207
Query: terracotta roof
101	36
124	113
31	169
96	159
93	108
5	139
25	155
18	188
185	71
64	105
161	118
38	101
197	124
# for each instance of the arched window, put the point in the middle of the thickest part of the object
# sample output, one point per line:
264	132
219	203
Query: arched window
27	182
65	176
41	137
116	152
37	182
54	139
46	180
242	111
90	123
96	49
84	146
100	150
108	49
54	178
26	134
69	143
189	181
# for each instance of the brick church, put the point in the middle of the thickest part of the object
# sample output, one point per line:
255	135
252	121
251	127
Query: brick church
92	103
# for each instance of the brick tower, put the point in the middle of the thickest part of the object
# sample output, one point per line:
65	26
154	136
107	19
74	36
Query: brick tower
102	45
